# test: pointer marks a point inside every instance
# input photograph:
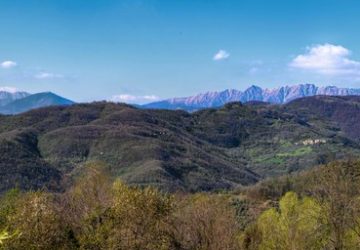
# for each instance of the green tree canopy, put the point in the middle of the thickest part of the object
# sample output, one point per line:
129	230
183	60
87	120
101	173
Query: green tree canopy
297	224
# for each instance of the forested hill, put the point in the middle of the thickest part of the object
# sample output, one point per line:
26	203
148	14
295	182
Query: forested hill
236	145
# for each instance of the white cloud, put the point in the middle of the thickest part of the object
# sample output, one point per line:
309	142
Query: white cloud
47	75
8	64
327	59
133	98
221	55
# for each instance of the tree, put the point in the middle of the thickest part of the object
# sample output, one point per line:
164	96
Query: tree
139	218
298	224
85	204
37	221
206	222
337	189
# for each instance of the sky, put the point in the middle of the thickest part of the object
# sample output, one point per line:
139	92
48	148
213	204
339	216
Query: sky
140	51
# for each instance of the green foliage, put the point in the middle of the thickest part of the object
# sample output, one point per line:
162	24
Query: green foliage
8	205
351	240
299	224
297	152
4	235
139	218
334	187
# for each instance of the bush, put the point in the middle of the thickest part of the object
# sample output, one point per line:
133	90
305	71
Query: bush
39	224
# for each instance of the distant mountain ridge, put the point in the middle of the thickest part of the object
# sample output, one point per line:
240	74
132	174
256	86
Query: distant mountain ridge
14	102
279	95
8	95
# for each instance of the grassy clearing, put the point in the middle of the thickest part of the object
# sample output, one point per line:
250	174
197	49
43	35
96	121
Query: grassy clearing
295	153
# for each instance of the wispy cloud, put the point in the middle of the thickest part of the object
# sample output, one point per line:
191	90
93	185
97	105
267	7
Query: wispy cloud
327	59
134	98
221	55
47	75
8	64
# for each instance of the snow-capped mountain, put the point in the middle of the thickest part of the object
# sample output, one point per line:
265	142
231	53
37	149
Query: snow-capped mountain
13	101
254	93
8	95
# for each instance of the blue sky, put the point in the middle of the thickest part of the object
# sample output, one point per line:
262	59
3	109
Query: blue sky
142	50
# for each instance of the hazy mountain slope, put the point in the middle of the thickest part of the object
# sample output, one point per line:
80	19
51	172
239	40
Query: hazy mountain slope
205	100
206	150
7	95
34	101
279	95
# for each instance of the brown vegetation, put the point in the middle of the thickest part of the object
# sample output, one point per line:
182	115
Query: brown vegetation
317	209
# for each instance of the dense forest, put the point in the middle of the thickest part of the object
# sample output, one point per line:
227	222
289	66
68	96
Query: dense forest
313	209
208	150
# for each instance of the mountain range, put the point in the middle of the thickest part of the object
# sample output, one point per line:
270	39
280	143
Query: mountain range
211	149
8	95
279	95
14	102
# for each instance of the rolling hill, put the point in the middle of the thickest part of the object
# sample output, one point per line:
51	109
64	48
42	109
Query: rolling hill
212	149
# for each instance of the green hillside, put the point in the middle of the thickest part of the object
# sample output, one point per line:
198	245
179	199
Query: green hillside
212	149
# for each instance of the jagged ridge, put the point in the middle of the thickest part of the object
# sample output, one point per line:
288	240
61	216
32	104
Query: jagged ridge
254	93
